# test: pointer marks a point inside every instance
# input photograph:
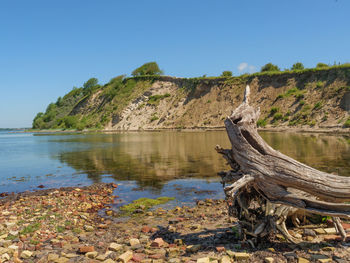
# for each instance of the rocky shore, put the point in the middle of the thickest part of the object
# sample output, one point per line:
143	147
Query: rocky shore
78	225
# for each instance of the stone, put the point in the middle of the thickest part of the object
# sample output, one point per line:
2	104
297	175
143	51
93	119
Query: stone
134	241
101	257
330	231
109	261
126	256
309	238
13	248
115	247
320	231
138	257
5	257
309	232
158	242
173	251
328	248
89	228
26	254
241	256
193	248
174	260
203	260
225	259
70	255
178	242
320	258
230	253
220	249
268	260
145	229
302	260
85	249
92	254
52	257
62	260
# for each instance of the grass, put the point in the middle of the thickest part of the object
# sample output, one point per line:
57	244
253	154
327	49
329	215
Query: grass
30	229
347	123
144	204
273	110
153	118
318	105
261	123
155	99
297	93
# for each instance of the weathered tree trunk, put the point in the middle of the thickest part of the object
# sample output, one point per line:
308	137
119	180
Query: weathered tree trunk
269	186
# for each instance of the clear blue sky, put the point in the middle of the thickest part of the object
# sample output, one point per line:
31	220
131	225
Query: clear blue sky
47	47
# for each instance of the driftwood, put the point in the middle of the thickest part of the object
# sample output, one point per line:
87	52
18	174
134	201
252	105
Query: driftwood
267	187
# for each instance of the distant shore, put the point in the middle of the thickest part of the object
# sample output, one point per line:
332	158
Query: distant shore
326	130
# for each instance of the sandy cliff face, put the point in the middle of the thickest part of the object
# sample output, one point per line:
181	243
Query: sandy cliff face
309	98
321	101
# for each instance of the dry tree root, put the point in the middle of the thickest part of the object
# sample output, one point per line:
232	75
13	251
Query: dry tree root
265	187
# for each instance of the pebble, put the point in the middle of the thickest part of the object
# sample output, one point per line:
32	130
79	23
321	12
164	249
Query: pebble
268	260
203	260
26	254
91	255
134	241
225	259
126	256
115	247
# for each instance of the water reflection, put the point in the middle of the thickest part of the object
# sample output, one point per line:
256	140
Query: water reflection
324	152
152	158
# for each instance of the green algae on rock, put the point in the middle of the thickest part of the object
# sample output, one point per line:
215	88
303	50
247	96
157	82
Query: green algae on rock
144	204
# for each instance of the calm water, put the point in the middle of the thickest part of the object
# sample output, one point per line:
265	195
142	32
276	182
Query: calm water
179	164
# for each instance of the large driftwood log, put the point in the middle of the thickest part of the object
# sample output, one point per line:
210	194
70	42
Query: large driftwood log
267	186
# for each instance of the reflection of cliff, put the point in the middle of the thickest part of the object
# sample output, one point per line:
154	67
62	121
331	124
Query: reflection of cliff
323	152
148	158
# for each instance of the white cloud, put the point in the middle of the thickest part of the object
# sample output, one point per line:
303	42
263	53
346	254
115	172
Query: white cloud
245	67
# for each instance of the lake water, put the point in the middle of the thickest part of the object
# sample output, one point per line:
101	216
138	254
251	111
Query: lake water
179	164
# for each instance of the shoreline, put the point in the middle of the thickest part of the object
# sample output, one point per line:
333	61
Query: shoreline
318	130
78	224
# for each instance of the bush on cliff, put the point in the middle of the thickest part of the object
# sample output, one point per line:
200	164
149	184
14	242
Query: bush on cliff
150	68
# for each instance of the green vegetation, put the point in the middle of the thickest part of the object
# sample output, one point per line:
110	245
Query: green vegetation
273	110
297	66
226	73
319	84
154	117
30	229
347	123
321	65
277	116
318	105
269	67
261	123
150	68
298	94
155	99
144	204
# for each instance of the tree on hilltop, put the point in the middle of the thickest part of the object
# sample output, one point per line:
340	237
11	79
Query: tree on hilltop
297	66
321	65
226	73
269	67
150	68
